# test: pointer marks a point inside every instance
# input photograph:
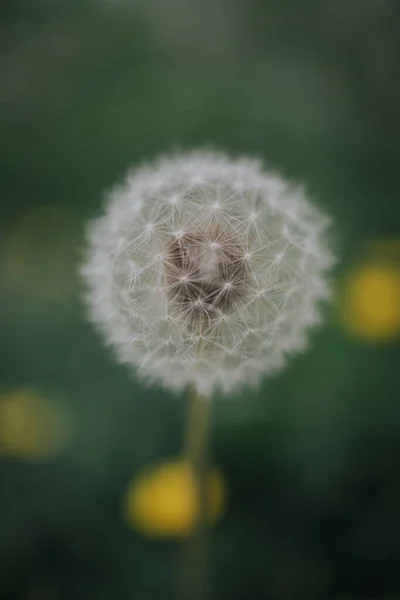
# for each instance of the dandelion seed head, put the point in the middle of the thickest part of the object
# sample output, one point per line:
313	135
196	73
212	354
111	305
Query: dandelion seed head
206	271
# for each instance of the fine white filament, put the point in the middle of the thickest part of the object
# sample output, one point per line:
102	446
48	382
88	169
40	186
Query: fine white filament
206	271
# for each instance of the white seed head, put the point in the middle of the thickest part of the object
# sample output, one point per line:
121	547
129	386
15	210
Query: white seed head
206	271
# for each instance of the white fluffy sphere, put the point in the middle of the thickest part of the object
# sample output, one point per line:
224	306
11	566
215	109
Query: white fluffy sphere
206	271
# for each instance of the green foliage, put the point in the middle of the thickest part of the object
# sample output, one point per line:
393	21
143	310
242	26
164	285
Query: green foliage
312	459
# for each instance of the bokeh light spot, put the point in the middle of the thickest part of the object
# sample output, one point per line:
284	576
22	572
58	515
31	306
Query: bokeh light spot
370	307
31	425
162	502
41	251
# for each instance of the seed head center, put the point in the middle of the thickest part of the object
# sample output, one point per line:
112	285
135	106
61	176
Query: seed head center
204	272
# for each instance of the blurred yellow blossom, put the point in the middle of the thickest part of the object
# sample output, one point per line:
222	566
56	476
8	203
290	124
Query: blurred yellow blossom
386	249
31	426
39	593
370	307
162	502
40	252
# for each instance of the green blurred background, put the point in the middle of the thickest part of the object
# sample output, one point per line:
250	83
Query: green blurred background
311	460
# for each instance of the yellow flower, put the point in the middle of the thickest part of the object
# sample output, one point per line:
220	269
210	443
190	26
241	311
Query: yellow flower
30	425
371	303
163	503
40	252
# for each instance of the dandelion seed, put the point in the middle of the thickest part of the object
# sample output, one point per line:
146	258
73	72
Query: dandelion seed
206	272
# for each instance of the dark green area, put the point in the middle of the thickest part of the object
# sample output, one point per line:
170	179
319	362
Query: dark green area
312	459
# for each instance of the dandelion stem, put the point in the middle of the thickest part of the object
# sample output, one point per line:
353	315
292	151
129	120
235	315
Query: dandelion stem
194	559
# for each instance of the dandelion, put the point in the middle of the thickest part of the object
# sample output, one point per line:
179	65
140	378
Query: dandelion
31	425
370	306
161	502
206	272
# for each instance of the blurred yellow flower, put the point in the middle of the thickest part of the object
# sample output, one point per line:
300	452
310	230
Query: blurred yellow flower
387	249
40	252
30	425
162	502
371	303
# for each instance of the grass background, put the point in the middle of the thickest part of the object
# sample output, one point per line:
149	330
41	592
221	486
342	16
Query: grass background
311	459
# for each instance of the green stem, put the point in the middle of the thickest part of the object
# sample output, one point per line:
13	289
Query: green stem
194	560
